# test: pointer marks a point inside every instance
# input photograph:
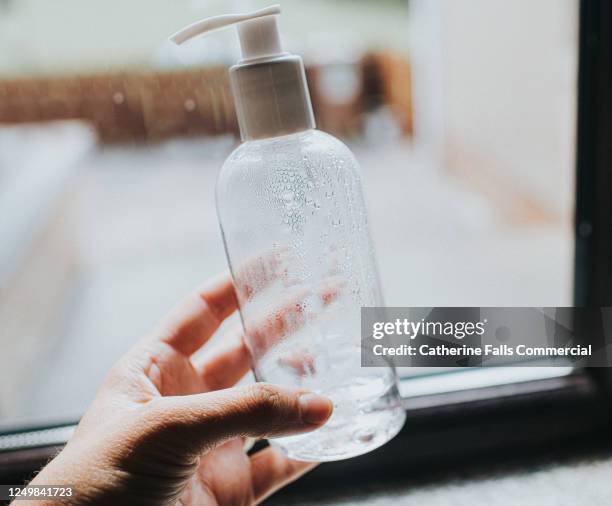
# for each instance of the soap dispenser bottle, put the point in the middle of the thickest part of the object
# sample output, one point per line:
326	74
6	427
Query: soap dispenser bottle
295	229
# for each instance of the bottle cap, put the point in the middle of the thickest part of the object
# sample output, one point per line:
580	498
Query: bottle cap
268	84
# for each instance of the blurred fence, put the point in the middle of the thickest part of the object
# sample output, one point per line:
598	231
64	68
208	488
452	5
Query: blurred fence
151	106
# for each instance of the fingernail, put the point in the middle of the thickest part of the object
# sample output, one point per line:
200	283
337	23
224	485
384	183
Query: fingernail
315	408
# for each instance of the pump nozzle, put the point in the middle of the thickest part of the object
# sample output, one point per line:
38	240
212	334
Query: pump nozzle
257	30
269	85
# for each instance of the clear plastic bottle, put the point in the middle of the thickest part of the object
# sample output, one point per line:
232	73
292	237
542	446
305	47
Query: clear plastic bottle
295	229
296	235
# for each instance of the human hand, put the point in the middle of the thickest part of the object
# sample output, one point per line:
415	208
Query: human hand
165	429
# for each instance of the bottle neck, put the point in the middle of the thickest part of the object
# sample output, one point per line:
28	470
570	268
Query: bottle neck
271	98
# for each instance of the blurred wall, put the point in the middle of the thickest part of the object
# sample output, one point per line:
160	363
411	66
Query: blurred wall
509	78
68	36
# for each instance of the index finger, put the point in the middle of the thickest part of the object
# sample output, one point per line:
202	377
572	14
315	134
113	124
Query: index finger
194	320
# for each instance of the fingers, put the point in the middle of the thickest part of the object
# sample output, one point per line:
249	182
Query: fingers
258	272
290	316
225	365
271	470
195	423
197	317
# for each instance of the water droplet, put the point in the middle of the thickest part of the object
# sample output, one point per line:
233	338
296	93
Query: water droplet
364	435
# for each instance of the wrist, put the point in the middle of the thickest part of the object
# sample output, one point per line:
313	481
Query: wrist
87	482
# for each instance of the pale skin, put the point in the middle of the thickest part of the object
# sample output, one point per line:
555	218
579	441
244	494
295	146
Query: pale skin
165	429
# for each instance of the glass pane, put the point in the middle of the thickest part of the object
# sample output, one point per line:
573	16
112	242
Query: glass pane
461	113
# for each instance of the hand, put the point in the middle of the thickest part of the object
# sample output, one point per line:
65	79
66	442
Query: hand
166	430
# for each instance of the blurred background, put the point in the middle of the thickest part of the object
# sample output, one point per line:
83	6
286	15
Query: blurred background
461	113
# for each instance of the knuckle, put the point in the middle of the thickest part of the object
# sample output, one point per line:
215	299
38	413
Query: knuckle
267	396
271	408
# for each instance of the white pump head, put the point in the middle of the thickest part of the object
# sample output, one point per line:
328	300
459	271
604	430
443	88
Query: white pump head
269	85
258	32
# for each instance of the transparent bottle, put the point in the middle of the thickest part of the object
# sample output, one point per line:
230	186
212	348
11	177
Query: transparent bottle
296	235
295	229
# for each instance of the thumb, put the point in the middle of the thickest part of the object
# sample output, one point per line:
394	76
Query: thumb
261	410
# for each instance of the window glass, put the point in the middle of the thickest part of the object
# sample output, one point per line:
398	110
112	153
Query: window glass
461	113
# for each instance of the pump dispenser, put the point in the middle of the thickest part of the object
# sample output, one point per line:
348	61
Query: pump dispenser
268	84
295	230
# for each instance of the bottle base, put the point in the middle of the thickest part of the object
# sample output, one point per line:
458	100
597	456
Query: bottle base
345	438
